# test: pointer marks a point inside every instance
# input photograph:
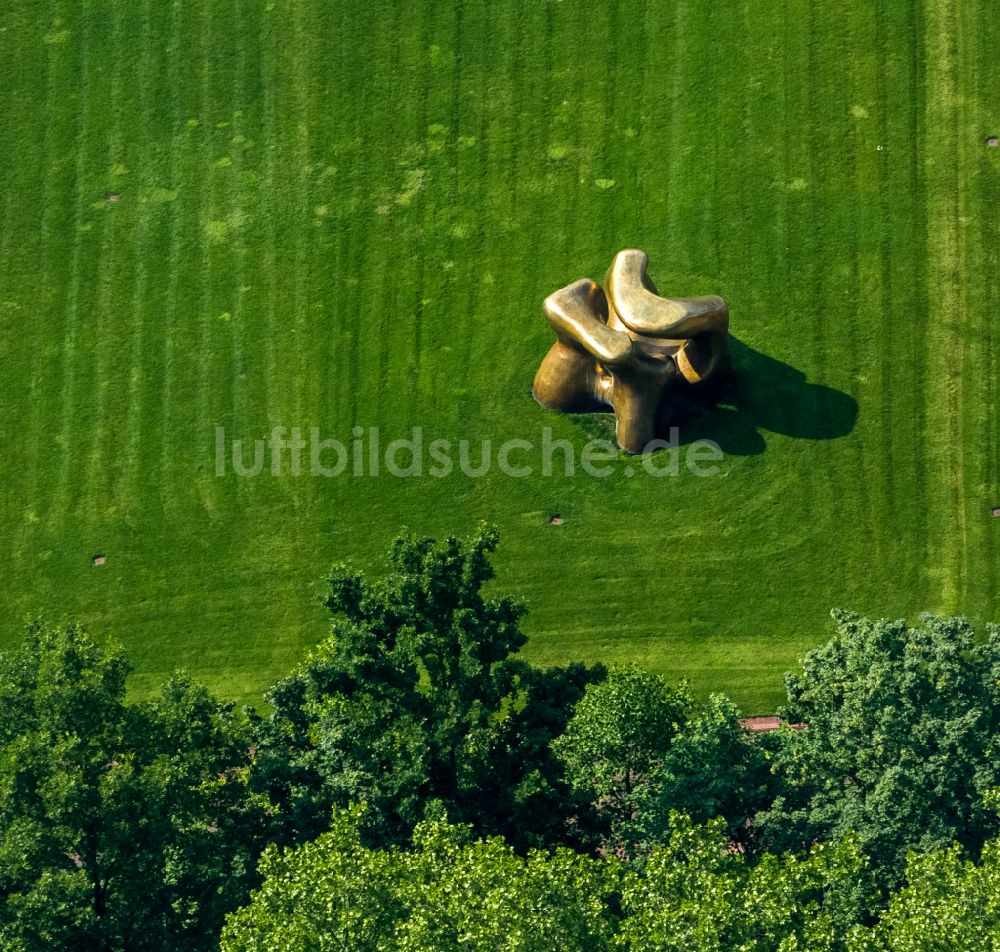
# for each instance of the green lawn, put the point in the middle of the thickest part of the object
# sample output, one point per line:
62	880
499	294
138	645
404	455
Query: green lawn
341	215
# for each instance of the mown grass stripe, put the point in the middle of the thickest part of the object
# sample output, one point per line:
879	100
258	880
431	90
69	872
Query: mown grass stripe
983	73
880	80
945	246
116	359
674	181
10	368
304	66
21	137
104	365
917	314
340	377
270	268
475	285
226	317
238	417
169	318
977	76
135	421
50	306
67	389
863	235
214	229
900	227
436	203
387	159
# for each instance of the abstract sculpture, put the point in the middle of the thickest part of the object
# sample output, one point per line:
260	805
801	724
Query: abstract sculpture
626	347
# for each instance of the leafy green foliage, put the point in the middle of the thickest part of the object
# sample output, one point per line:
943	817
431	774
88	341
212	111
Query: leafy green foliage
713	768
138	827
615	742
447	893
949	902
120	827
416	697
699	895
901	746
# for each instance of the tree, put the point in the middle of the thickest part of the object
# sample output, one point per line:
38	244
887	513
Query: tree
121	827
697	895
713	768
616	740
949	902
417	697
521	792
446	893
901	744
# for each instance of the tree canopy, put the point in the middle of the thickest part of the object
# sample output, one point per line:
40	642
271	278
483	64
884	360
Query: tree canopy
417	697
449	892
121	826
901	745
949	902
714	768
620	731
446	892
417	785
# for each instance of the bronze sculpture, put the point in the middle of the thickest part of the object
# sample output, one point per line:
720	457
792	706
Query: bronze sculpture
626	347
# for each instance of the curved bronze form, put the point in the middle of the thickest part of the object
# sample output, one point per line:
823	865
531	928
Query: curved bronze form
628	347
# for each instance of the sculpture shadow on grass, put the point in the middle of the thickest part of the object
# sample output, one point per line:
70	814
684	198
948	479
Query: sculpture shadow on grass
761	393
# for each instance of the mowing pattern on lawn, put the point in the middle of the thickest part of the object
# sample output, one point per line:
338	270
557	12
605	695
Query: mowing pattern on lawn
246	214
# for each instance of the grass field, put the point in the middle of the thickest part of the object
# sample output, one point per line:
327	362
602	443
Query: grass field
342	215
